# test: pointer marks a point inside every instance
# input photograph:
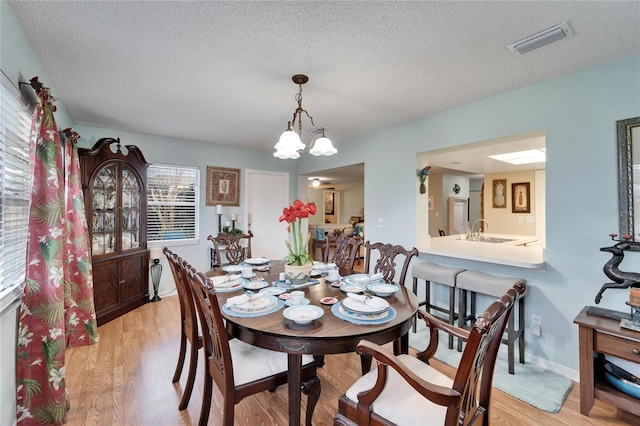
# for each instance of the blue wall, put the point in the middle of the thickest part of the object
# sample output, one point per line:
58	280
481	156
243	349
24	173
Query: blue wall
577	112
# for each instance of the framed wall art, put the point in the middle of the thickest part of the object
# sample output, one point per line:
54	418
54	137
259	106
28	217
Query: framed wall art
499	193
329	203
223	186
520	197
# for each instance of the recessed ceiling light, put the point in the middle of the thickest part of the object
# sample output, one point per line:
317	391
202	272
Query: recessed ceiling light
315	182
523	157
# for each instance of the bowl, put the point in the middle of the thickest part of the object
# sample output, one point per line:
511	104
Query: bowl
303	314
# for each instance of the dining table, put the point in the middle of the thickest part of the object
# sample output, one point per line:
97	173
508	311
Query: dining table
329	334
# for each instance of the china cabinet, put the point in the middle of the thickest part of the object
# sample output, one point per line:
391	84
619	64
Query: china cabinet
114	187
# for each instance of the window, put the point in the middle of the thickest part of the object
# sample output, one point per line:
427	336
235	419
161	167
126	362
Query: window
15	127
173	194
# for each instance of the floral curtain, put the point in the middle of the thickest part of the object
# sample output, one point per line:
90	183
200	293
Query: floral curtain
57	306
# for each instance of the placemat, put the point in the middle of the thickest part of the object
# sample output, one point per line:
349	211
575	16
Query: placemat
335	309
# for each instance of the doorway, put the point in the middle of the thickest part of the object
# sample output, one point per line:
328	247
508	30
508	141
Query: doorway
266	194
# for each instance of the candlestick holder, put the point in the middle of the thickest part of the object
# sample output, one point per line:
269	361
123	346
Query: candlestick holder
219	223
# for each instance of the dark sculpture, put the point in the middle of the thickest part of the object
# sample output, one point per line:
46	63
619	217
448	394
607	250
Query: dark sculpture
621	279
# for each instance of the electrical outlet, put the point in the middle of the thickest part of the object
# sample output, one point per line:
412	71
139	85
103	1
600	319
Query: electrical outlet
380	222
536	325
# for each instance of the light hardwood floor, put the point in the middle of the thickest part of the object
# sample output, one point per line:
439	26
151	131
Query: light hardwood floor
126	380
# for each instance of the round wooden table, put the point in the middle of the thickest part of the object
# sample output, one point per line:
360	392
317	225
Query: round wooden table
326	335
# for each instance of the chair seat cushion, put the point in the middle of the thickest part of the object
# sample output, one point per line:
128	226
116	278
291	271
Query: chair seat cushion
252	363
399	402
435	273
482	283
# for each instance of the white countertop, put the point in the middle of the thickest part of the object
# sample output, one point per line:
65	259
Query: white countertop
523	251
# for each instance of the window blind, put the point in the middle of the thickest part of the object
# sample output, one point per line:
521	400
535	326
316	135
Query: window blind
173	199
15	126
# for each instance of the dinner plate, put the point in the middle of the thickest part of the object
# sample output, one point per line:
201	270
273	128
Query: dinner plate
352	288
360	279
255	285
274	291
256	260
360	307
382	289
256	304
303	314
362	316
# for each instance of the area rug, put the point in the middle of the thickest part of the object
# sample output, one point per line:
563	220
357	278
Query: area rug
534	385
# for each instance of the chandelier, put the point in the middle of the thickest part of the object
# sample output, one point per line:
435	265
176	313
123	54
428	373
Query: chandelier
290	144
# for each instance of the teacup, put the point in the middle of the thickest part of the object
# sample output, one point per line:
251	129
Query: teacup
246	272
296	297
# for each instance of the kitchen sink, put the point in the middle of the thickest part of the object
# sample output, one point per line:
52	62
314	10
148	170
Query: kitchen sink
494	240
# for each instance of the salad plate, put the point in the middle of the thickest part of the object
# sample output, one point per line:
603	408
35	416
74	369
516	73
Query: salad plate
255	285
255	304
363	279
303	314
274	291
304	301
232	268
352	288
382	289
257	261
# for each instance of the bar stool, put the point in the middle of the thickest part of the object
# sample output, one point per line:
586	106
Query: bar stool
431	272
479	282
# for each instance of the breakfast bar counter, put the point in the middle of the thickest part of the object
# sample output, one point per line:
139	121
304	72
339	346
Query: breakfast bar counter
521	251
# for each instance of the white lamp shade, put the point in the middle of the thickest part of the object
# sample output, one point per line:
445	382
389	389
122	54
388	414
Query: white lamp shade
323	146
289	140
156	253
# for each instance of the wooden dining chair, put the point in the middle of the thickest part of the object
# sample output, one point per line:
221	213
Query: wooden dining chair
386	260
189	330
345	251
237	368
406	390
233	246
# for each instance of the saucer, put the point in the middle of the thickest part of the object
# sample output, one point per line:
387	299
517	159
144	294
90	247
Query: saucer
329	300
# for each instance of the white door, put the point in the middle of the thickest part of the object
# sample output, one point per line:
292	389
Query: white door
266	194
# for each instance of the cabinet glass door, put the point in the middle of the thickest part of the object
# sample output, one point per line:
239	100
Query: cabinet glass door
103	195
130	210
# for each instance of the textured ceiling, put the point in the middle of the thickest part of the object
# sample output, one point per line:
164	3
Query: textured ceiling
220	72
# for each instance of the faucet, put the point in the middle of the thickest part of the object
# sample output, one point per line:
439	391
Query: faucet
471	233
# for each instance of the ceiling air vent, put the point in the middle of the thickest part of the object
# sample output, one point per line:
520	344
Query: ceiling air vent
543	38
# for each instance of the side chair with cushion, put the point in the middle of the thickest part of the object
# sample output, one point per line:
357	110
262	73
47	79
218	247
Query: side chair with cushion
345	252
406	390
189	330
386	262
237	368
232	245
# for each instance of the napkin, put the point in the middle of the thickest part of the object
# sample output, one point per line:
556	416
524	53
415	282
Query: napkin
243	298
223	281
368	278
371	302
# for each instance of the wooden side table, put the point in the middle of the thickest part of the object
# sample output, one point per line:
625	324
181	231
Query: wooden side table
598	334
